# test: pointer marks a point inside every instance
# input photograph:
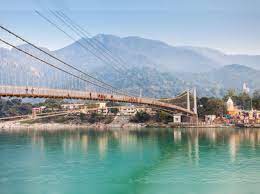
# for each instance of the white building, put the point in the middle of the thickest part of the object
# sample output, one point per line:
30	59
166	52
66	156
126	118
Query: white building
127	110
209	119
230	105
132	110
246	88
72	106
102	105
176	118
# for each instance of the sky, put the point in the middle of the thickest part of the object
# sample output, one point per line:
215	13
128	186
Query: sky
231	26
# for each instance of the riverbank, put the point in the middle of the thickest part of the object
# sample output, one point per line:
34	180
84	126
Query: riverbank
117	123
15	126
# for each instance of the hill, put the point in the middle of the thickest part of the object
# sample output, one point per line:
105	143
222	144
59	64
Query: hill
159	69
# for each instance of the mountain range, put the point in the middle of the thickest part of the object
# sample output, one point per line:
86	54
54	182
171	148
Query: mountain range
159	69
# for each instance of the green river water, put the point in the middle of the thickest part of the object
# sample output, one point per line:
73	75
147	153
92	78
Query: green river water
147	161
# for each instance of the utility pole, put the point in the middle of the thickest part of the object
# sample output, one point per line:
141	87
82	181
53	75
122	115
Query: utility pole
188	100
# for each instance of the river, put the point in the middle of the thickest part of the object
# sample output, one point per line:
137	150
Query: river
144	161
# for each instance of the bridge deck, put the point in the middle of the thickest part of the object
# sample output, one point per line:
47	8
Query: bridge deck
32	92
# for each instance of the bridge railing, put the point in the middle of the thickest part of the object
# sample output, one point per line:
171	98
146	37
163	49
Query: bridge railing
36	92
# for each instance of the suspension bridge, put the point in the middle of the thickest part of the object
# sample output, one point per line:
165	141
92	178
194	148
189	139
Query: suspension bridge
49	76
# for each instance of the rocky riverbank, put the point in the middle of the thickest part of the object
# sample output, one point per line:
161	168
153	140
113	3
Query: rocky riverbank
116	123
15	126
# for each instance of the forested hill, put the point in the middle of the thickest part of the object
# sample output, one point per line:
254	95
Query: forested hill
159	69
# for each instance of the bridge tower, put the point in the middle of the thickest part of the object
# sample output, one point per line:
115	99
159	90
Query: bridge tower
195	101
195	106
188	99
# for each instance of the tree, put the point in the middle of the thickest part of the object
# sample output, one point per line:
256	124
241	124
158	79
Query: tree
111	104
256	100
163	116
114	110
256	94
94	117
241	100
230	93
52	103
82	116
141	117
211	106
244	101
14	107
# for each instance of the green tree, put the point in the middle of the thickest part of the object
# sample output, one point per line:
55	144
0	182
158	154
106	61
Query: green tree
230	93
244	101
82	116
94	117
51	103
211	106
163	116
114	110
111	104
256	100
14	107
141	117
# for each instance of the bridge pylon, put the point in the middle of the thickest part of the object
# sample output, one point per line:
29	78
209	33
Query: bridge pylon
188	99
195	101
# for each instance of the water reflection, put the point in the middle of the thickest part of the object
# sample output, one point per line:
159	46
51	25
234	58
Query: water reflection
102	145
126	140
177	135
130	161
37	140
191	140
84	142
233	147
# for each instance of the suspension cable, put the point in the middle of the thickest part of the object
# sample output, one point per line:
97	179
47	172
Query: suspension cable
63	62
60	69
76	31
71	37
97	43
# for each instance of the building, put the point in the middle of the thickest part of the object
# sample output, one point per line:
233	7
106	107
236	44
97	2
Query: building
102	105
127	110
209	119
72	106
176	118
236	115
245	88
230	105
38	110
231	108
132	110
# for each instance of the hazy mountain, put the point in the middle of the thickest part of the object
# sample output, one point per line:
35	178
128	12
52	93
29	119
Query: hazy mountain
233	76
136	51
217	82
156	67
223	59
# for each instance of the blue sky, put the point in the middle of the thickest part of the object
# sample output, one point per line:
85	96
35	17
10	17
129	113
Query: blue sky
231	26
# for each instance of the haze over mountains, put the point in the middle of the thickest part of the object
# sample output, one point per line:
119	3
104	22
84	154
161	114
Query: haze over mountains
159	69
